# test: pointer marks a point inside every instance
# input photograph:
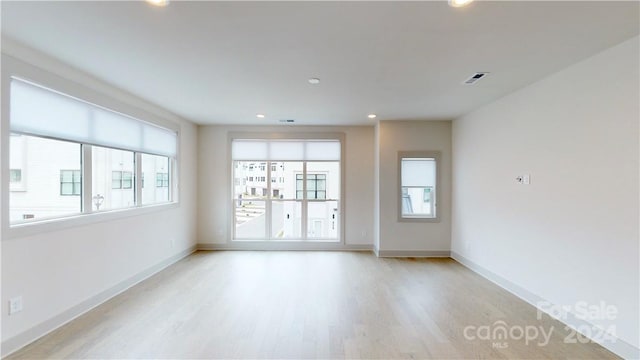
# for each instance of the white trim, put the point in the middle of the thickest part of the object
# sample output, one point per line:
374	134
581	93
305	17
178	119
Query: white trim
268	245
17	342
618	347
87	179
137	186
412	253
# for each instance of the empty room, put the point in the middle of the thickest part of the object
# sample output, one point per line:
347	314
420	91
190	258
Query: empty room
449	179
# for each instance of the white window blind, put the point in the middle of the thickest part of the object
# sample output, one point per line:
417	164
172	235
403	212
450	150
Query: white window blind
420	172
38	111
278	150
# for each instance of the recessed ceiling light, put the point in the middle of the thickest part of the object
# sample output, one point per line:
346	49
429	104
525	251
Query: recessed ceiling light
459	3
314	81
158	2
371	116
261	116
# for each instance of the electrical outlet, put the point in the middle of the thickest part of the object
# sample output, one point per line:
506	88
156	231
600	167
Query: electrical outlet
15	305
173	242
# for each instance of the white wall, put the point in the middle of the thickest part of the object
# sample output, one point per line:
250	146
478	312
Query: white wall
572	235
56	270
418	238
214	180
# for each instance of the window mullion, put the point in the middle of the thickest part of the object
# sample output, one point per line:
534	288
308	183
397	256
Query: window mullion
267	205
87	179
137	175
304	200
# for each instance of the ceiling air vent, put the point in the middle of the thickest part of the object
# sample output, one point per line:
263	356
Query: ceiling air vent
475	77
286	121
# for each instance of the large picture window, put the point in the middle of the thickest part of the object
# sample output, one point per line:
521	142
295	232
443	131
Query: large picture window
79	157
286	189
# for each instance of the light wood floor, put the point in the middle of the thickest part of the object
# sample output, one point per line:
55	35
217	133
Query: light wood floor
299	305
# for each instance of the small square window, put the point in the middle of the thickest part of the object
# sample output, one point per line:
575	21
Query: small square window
70	182
15	176
162	180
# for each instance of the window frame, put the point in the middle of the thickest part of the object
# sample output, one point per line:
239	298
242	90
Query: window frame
16	68
337	136
427	154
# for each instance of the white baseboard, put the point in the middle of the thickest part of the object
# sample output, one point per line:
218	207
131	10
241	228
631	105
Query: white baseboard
413	253
618	347
285	246
17	342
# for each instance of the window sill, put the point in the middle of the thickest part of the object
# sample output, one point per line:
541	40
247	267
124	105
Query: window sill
44	226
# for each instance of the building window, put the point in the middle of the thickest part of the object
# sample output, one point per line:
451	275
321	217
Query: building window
122	180
316	186
70	182
418	185
162	180
116	179
127	180
15	176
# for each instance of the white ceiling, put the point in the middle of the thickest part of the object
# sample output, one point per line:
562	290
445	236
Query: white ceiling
223	62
